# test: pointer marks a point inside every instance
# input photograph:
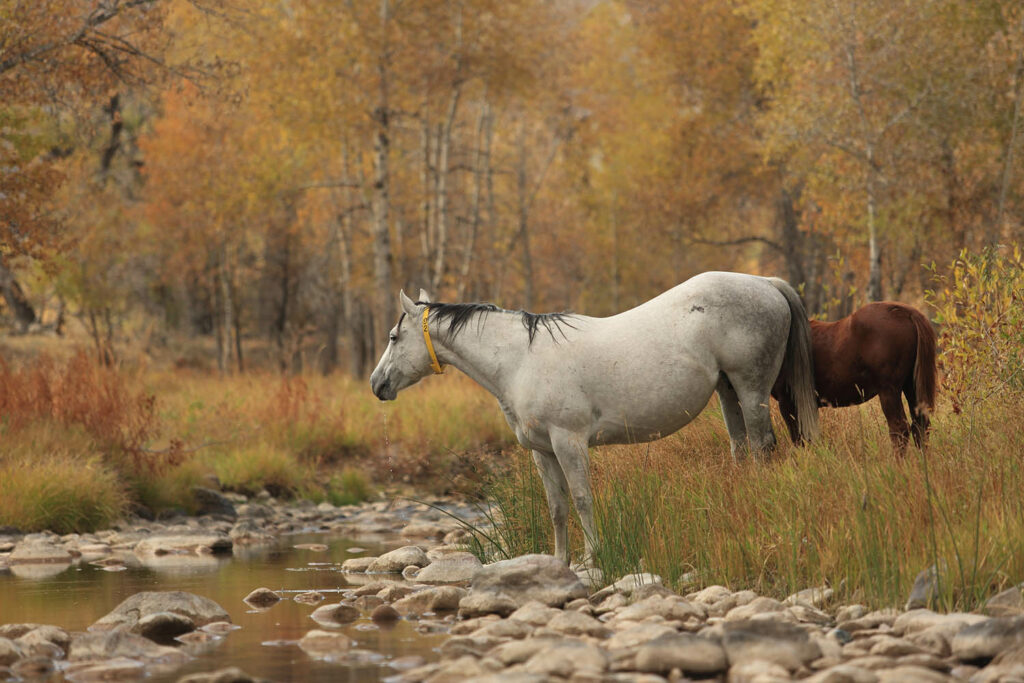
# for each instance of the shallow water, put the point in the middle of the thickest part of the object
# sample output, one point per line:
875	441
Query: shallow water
77	596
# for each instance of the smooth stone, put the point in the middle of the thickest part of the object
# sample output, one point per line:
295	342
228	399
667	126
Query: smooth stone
425	530
911	674
262	597
335	614
689	653
162	627
104	646
670	608
574	623
231	674
566	658
926	585
534	613
774	641
38	551
358	565
34	668
504	586
199	609
310	598
452	568
758	671
10	652
45	635
312	547
116	669
212	502
504	628
1009	603
756	606
811	597
435	599
385	614
843	673
200	543
395	561
325	644
638	635
987	639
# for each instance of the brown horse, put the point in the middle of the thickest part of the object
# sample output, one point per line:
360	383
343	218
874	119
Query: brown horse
884	349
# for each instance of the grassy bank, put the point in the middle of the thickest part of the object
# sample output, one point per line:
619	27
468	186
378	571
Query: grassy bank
80	444
843	512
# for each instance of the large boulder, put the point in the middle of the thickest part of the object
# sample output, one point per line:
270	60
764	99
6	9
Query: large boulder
104	646
691	654
503	587
211	502
986	639
200	610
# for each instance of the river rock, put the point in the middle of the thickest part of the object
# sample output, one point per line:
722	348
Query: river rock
1009	603
758	671
691	654
567	657
210	502
247	531
843	673
335	615
986	639
229	675
504	586
38	551
574	623
44	635
262	597
757	606
670	608
103	646
810	597
436	599
425	530
200	610
310	597
10	652
34	668
395	561
325	644
456	567
636	635
358	565
779	642
116	669
385	614
926	585
200	543
163	627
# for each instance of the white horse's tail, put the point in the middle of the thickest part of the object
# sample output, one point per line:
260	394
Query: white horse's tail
798	367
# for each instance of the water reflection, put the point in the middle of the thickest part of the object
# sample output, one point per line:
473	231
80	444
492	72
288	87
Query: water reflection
75	596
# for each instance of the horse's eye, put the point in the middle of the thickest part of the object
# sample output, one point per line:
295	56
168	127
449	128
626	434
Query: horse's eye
393	337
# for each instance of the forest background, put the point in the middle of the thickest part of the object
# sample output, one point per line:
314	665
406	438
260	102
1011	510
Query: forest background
219	201
268	175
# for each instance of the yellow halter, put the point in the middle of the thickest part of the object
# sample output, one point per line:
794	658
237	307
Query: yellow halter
430	345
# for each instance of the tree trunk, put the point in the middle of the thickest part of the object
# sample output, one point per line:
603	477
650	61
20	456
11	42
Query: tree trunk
481	171
1010	146
381	189
524	220
444	144
227	314
24	313
874	247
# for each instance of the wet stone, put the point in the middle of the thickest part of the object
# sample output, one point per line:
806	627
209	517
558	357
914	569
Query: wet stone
335	615
262	597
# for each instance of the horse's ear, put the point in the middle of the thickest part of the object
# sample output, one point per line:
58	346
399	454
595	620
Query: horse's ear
424	297
407	304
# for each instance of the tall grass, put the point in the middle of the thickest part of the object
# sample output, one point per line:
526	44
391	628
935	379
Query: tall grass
843	512
154	435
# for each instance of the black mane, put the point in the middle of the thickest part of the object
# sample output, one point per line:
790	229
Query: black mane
459	315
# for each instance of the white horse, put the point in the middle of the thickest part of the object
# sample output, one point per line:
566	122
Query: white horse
567	382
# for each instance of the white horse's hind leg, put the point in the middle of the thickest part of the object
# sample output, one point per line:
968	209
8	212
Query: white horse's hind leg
734	420
758	419
557	491
574	458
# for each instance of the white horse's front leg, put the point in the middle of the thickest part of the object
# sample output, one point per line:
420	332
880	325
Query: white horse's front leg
557	491
574	458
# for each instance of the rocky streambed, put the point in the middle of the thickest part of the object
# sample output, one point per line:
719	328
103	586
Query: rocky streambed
526	619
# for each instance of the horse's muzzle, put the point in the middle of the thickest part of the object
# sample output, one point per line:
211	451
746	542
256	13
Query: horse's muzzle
382	389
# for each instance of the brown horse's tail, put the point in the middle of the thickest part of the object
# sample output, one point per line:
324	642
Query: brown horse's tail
924	366
798	366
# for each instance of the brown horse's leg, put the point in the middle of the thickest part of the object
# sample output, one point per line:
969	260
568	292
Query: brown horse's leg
899	430
918	415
